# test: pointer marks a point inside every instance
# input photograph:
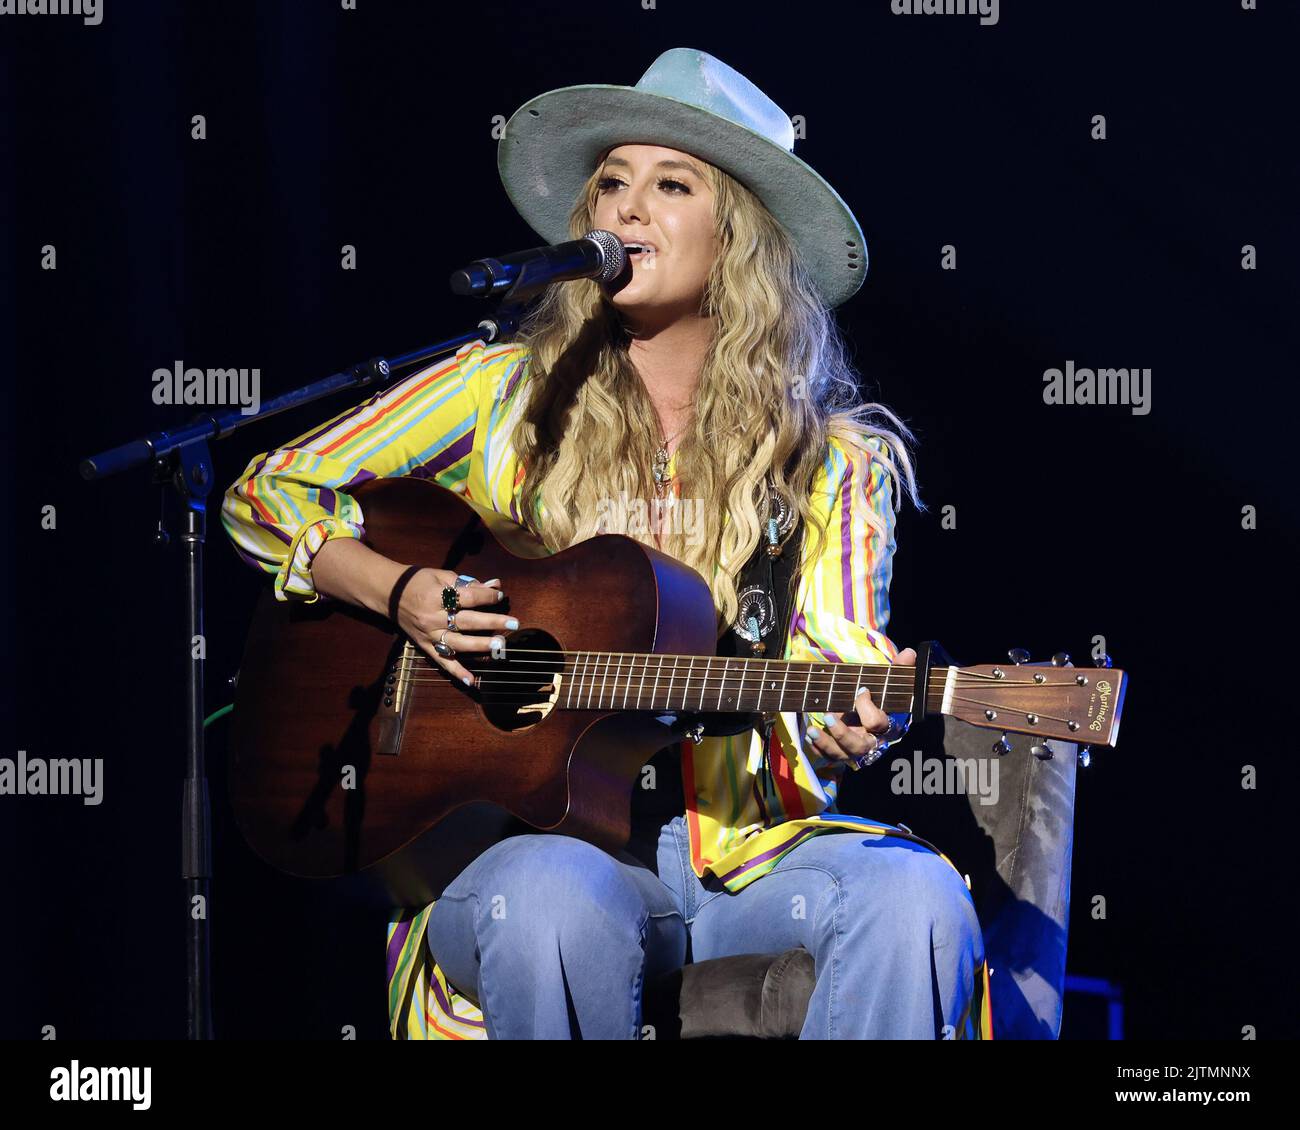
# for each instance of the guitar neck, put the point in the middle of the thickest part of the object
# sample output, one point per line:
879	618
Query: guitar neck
1057	701
603	680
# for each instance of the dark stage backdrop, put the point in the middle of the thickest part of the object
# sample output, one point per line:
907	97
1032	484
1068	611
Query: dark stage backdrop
374	128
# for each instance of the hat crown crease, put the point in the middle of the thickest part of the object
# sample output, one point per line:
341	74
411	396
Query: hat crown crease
692	76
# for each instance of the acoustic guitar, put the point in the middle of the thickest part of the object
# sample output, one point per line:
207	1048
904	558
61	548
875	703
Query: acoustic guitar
354	752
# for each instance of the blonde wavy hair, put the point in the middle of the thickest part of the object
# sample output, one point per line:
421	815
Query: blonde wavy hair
775	385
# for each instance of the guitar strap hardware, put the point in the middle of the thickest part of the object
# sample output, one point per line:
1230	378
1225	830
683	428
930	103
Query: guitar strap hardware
765	594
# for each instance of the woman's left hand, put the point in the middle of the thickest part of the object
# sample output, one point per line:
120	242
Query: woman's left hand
844	744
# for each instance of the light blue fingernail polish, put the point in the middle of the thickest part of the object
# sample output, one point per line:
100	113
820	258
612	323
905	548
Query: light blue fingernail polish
468	680
813	733
512	623
859	691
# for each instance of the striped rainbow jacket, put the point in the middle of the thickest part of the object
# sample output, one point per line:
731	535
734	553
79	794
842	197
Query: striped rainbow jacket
453	423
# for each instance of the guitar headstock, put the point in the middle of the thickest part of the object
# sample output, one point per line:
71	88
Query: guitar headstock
1049	700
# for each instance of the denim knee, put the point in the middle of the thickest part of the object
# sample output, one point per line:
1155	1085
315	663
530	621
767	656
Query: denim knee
922	894
546	885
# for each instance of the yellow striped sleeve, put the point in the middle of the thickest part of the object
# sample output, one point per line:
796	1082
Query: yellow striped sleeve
290	501
842	599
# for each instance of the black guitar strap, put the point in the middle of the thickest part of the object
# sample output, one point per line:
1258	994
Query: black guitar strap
766	587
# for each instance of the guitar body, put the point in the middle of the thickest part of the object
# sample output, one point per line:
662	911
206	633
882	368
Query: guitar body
329	778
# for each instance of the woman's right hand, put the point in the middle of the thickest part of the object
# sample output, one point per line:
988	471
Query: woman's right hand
421	616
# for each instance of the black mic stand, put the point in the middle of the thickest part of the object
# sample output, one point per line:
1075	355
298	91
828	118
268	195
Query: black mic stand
181	458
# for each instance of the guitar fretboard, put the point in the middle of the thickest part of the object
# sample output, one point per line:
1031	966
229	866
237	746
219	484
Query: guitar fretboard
602	680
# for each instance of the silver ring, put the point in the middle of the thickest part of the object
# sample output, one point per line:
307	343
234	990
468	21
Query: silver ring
444	649
871	755
462	580
451	621
893	732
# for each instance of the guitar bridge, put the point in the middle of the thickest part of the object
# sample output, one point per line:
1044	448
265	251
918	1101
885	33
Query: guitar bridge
396	690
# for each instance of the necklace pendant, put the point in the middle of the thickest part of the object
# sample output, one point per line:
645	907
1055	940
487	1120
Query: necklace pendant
660	468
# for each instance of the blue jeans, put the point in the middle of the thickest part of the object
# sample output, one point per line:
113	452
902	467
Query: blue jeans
556	938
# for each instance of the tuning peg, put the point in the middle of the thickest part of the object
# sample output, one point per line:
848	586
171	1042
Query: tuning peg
1103	660
1002	747
1018	655
1060	659
1043	752
1085	756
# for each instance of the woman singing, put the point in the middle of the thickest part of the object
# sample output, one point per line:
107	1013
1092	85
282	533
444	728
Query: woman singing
710	383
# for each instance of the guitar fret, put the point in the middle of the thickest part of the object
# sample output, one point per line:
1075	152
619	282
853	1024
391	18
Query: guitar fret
767	695
602	684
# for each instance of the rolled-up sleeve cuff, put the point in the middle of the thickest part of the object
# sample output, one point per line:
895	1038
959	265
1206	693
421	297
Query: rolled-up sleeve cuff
294	580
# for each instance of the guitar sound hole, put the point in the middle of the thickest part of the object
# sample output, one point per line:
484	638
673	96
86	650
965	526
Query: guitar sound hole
521	689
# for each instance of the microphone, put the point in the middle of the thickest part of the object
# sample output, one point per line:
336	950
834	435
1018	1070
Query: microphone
598	254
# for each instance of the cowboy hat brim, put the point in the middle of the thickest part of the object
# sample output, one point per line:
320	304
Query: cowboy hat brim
551	145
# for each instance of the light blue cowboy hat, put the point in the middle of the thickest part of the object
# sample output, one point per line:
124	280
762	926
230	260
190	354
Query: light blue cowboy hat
687	100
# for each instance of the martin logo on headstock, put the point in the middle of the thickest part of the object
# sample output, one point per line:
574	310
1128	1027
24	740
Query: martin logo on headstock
1099	704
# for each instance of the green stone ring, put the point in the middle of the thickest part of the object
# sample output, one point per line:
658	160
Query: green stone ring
450	598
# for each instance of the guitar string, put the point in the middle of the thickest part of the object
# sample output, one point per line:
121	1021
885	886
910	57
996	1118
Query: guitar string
519	698
599	690
729	659
520	695
631	687
608	658
606	690
504	697
625	679
415	670
641	655
797	666
598	687
603	691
